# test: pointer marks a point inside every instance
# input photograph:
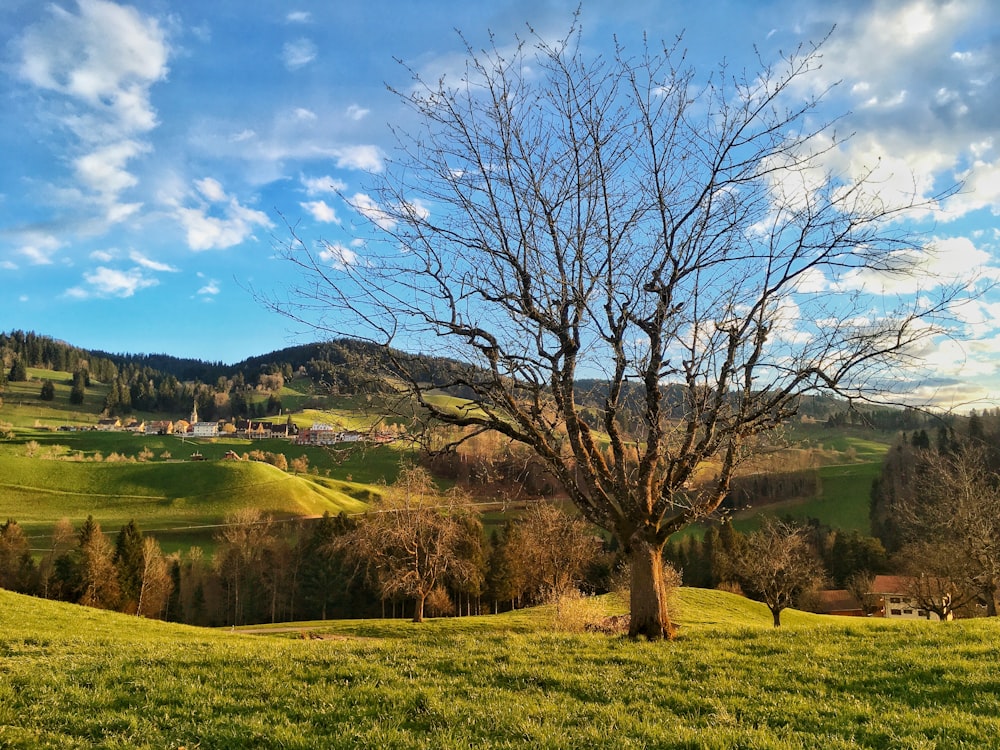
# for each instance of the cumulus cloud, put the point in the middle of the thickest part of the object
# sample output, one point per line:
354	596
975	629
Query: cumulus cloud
103	170
218	220
94	69
298	53
951	260
320	185
356	112
211	189
136	257
337	255
366	206
38	248
299	16
362	157
321	212
920	84
210	289
109	282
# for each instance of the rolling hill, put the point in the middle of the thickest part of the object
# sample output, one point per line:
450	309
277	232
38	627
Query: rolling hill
74	677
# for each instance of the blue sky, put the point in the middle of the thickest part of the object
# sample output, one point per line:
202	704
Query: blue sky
153	151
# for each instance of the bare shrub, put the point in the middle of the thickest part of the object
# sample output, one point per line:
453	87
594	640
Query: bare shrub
573	612
439	603
731	587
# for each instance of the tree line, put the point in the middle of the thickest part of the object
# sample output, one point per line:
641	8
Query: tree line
936	508
418	551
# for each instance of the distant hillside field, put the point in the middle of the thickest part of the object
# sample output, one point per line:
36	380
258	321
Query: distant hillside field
38	492
72	677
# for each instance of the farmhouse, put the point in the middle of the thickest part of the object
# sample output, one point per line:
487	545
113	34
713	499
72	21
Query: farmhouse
896	598
160	427
838	602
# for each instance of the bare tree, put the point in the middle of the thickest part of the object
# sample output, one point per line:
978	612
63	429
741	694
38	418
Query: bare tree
156	583
557	218
779	563
412	543
548	551
244	536
954	517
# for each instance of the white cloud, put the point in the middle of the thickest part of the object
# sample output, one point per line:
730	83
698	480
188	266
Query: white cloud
338	255
356	112
362	157
231	224
8	265
102	256
39	248
206	232
108	282
136	257
953	260
106	57
243	136
919	81
298	53
103	170
320	185
299	16
94	66
321	212
210	289
367	207
301	113
211	189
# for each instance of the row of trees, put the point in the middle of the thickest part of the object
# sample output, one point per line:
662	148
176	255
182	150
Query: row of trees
936	506
419	551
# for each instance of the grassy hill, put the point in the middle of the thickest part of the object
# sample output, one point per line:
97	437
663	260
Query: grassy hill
71	677
38	492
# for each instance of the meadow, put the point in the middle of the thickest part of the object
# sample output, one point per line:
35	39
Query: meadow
72	677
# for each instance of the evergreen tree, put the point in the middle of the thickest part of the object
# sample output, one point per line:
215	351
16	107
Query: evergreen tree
128	561
18	371
77	393
48	392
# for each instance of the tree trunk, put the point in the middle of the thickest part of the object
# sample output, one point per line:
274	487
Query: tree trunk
776	614
991	598
418	608
648	594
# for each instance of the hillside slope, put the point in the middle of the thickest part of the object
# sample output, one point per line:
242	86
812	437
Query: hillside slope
72	677
37	492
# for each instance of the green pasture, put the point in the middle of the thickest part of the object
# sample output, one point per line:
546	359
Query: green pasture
23	406
78	678
843	502
38	492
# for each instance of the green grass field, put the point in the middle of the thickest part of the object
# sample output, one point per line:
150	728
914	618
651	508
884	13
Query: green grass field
74	678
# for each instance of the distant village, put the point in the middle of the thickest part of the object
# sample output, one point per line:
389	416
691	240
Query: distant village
250	429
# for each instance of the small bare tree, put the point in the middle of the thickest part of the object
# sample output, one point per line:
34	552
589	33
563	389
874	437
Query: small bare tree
411	544
156	583
779	563
557	218
548	551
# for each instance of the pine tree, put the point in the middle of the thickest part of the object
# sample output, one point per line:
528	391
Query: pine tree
18	371
128	561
